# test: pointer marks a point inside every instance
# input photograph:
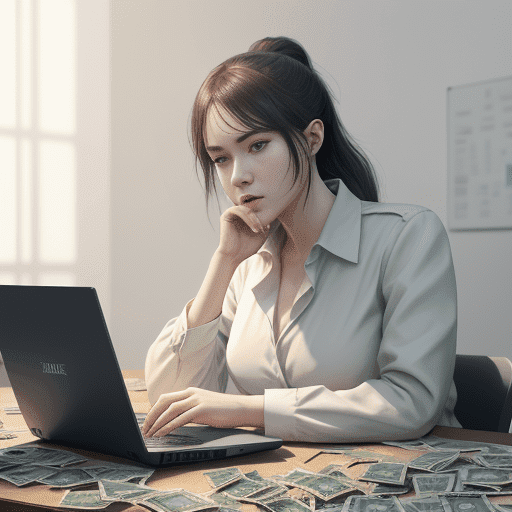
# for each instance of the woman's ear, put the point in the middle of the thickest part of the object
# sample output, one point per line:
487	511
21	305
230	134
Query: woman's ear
315	135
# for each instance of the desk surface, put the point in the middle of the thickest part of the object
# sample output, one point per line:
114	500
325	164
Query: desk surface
190	477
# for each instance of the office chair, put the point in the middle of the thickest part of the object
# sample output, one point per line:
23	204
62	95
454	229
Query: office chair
484	389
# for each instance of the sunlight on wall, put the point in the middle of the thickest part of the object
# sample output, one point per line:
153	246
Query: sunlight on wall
38	182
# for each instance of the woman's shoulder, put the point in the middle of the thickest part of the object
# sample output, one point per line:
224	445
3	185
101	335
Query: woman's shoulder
404	210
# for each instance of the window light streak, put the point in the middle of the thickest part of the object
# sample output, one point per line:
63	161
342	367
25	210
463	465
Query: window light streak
57	203
8	203
56	66
26	63
27	200
8	63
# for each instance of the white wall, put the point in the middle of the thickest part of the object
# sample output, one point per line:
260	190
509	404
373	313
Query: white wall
389	64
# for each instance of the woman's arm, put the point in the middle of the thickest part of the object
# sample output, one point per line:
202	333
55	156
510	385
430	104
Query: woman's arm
207	304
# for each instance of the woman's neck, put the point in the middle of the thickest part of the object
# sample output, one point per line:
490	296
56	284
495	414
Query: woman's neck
303	222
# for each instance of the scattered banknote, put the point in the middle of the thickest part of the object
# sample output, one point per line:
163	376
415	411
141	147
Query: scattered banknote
178	500
434	461
135	384
390	490
413	444
254	475
7	434
492	476
12	410
25	474
220	478
87	500
67	478
285	504
111	491
119	474
336	469
245	487
38	455
386	473
463	503
224	500
323	486
493	460
503	507
372	503
438	443
425	485
430	504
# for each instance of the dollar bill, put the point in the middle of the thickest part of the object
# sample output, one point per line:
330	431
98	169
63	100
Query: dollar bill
254	475
438	443
464	503
434	461
493	476
86	500
224	500
122	491
415	504
390	490
7	434
433	484
323	486
503	507
494	460
372	504
119	474
285	504
25	474
245	487
135	384
40	456
178	500
386	473
412	444
220	478
67	478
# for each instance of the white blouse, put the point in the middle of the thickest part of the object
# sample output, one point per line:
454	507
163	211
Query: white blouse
369	352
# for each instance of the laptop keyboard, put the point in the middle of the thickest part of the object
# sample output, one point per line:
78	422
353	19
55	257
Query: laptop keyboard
177	437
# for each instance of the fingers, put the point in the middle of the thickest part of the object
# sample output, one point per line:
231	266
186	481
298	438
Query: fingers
174	411
179	421
249	217
161	407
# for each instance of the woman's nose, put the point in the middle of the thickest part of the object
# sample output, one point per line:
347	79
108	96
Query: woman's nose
241	174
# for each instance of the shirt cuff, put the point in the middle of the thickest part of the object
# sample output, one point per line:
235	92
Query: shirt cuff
196	338
279	412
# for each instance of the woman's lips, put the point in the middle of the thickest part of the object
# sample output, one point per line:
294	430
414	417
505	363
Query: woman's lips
253	203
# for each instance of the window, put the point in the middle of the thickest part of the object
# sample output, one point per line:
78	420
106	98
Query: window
38	180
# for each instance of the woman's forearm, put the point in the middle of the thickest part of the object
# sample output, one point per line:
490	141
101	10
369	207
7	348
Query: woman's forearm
207	304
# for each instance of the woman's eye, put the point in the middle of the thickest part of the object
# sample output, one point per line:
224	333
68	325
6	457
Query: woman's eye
219	160
258	146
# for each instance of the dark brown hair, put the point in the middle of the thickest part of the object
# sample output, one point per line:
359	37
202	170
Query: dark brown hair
274	87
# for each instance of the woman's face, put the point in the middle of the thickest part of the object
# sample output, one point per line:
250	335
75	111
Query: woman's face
258	164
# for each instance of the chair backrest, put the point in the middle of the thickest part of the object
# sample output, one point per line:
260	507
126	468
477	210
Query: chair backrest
484	389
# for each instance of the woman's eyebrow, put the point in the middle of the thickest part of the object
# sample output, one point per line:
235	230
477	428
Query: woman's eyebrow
246	135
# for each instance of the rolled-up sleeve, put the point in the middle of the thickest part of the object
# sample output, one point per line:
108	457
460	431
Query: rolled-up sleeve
181	357
415	360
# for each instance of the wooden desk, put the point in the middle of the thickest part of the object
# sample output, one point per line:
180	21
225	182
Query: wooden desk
290	456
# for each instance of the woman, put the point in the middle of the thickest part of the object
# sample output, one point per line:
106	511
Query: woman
324	316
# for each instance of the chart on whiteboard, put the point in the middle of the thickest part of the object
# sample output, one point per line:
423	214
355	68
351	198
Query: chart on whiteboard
480	155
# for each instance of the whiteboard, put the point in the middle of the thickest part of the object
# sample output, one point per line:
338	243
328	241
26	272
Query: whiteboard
479	122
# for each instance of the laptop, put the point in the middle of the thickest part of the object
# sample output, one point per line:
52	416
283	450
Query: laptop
69	387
